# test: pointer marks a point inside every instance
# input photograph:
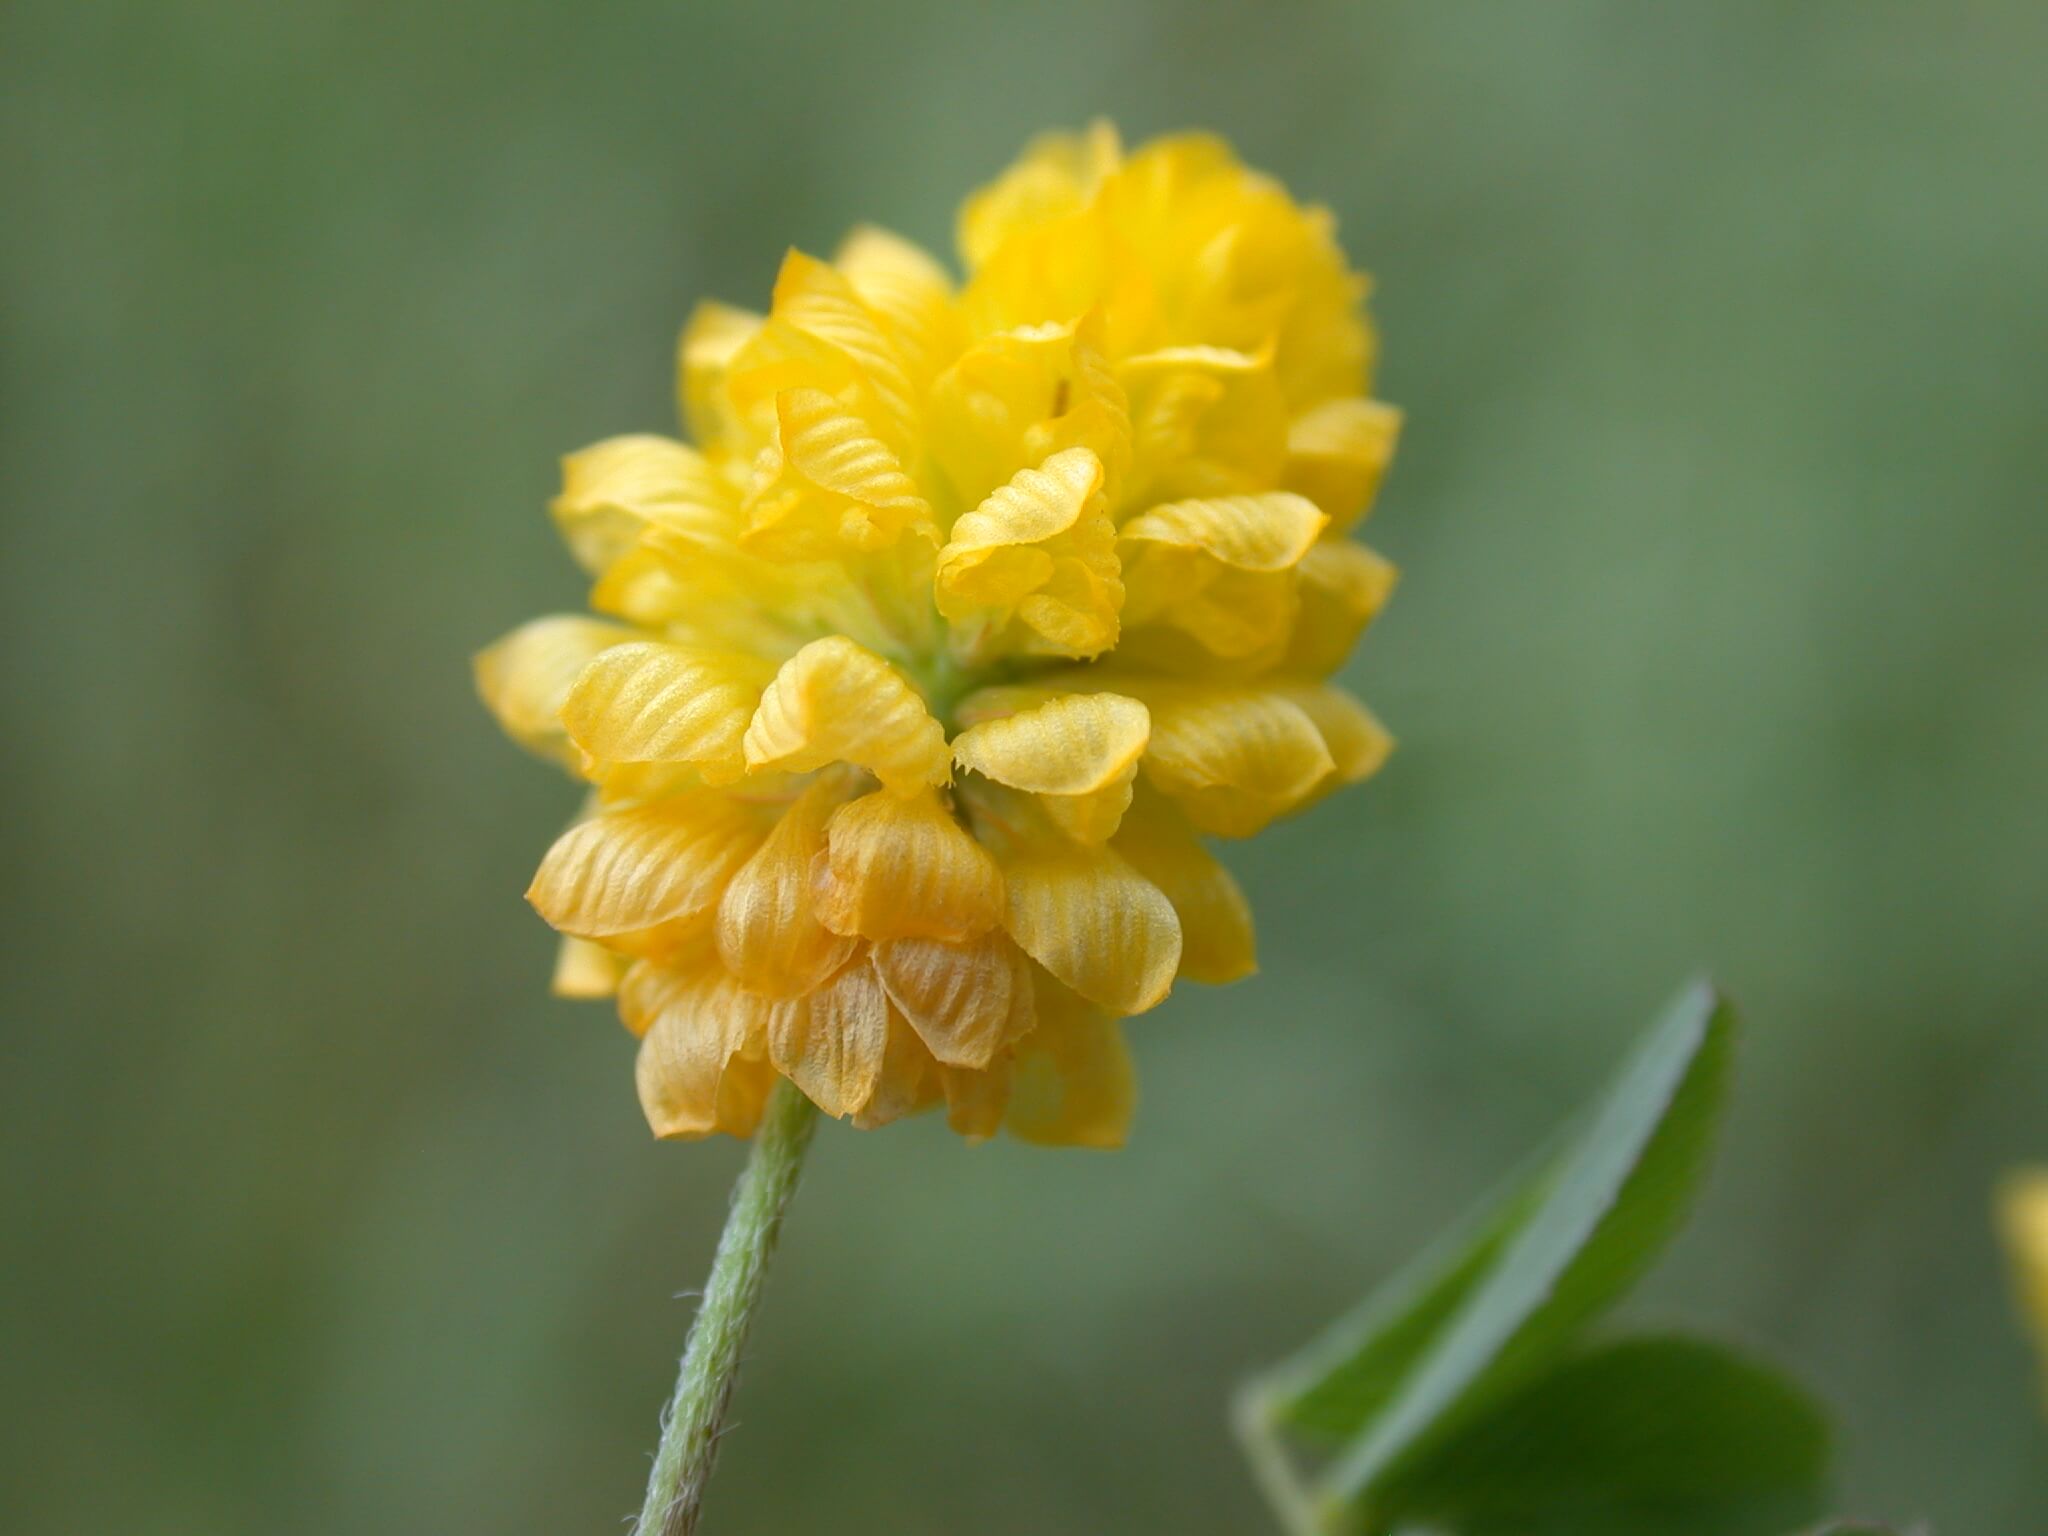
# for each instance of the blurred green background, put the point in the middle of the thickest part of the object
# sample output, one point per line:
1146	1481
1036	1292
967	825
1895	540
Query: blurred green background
1724	340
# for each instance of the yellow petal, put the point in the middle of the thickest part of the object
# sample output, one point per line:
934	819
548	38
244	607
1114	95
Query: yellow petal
769	935
1078	752
711	341
624	870
1056	174
1205	421
1040	550
1343	586
909	1078
1073	1084
1219	570
612	489
908	291
1233	757
831	1042
902	867
584	969
837	702
1338	453
701	1066
820	303
966	1001
2023	1221
1013	400
1215	919
828	484
975	1101
648	702
1093	921
525	678
1358	744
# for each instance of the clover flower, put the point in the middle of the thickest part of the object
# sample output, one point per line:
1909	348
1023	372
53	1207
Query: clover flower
967	613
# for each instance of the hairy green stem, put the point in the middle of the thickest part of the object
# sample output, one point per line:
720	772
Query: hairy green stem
690	1428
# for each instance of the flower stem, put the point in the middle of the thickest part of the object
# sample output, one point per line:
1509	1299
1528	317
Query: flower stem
690	1428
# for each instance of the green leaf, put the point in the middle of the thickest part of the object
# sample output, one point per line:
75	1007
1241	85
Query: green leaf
1477	1321
1665	1434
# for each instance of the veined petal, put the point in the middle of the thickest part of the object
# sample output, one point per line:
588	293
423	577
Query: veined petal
1073	1084
1337	454
1093	921
908	291
1215	919
1233	757
902	867
701	1066
836	701
613	489
649	702
1265	533
819	302
831	1042
967	1001
1342	588
1220	570
828	484
768	931
525	678
641	867
1078	752
1041	550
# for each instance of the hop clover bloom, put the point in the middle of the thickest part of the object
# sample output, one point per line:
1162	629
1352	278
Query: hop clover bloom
923	673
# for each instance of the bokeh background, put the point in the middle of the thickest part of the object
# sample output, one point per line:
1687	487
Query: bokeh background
1724	340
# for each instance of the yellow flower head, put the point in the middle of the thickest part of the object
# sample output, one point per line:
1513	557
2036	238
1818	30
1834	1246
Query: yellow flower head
2023	1213
971	608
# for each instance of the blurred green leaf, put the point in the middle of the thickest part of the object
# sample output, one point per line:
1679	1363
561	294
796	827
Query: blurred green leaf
1478	1321
1670	1434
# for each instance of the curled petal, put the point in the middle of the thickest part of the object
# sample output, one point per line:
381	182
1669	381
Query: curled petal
1078	752
1041	551
1072	1084
1015	399
902	867
1220	570
1342	588
1357	742
525	678
768	931
1337	454
819	302
649	702
967	1001
613	489
908	291
828	484
1215	919
702	1064
1232	757
644	866
1093	921
831	1042
836	701
1205	421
